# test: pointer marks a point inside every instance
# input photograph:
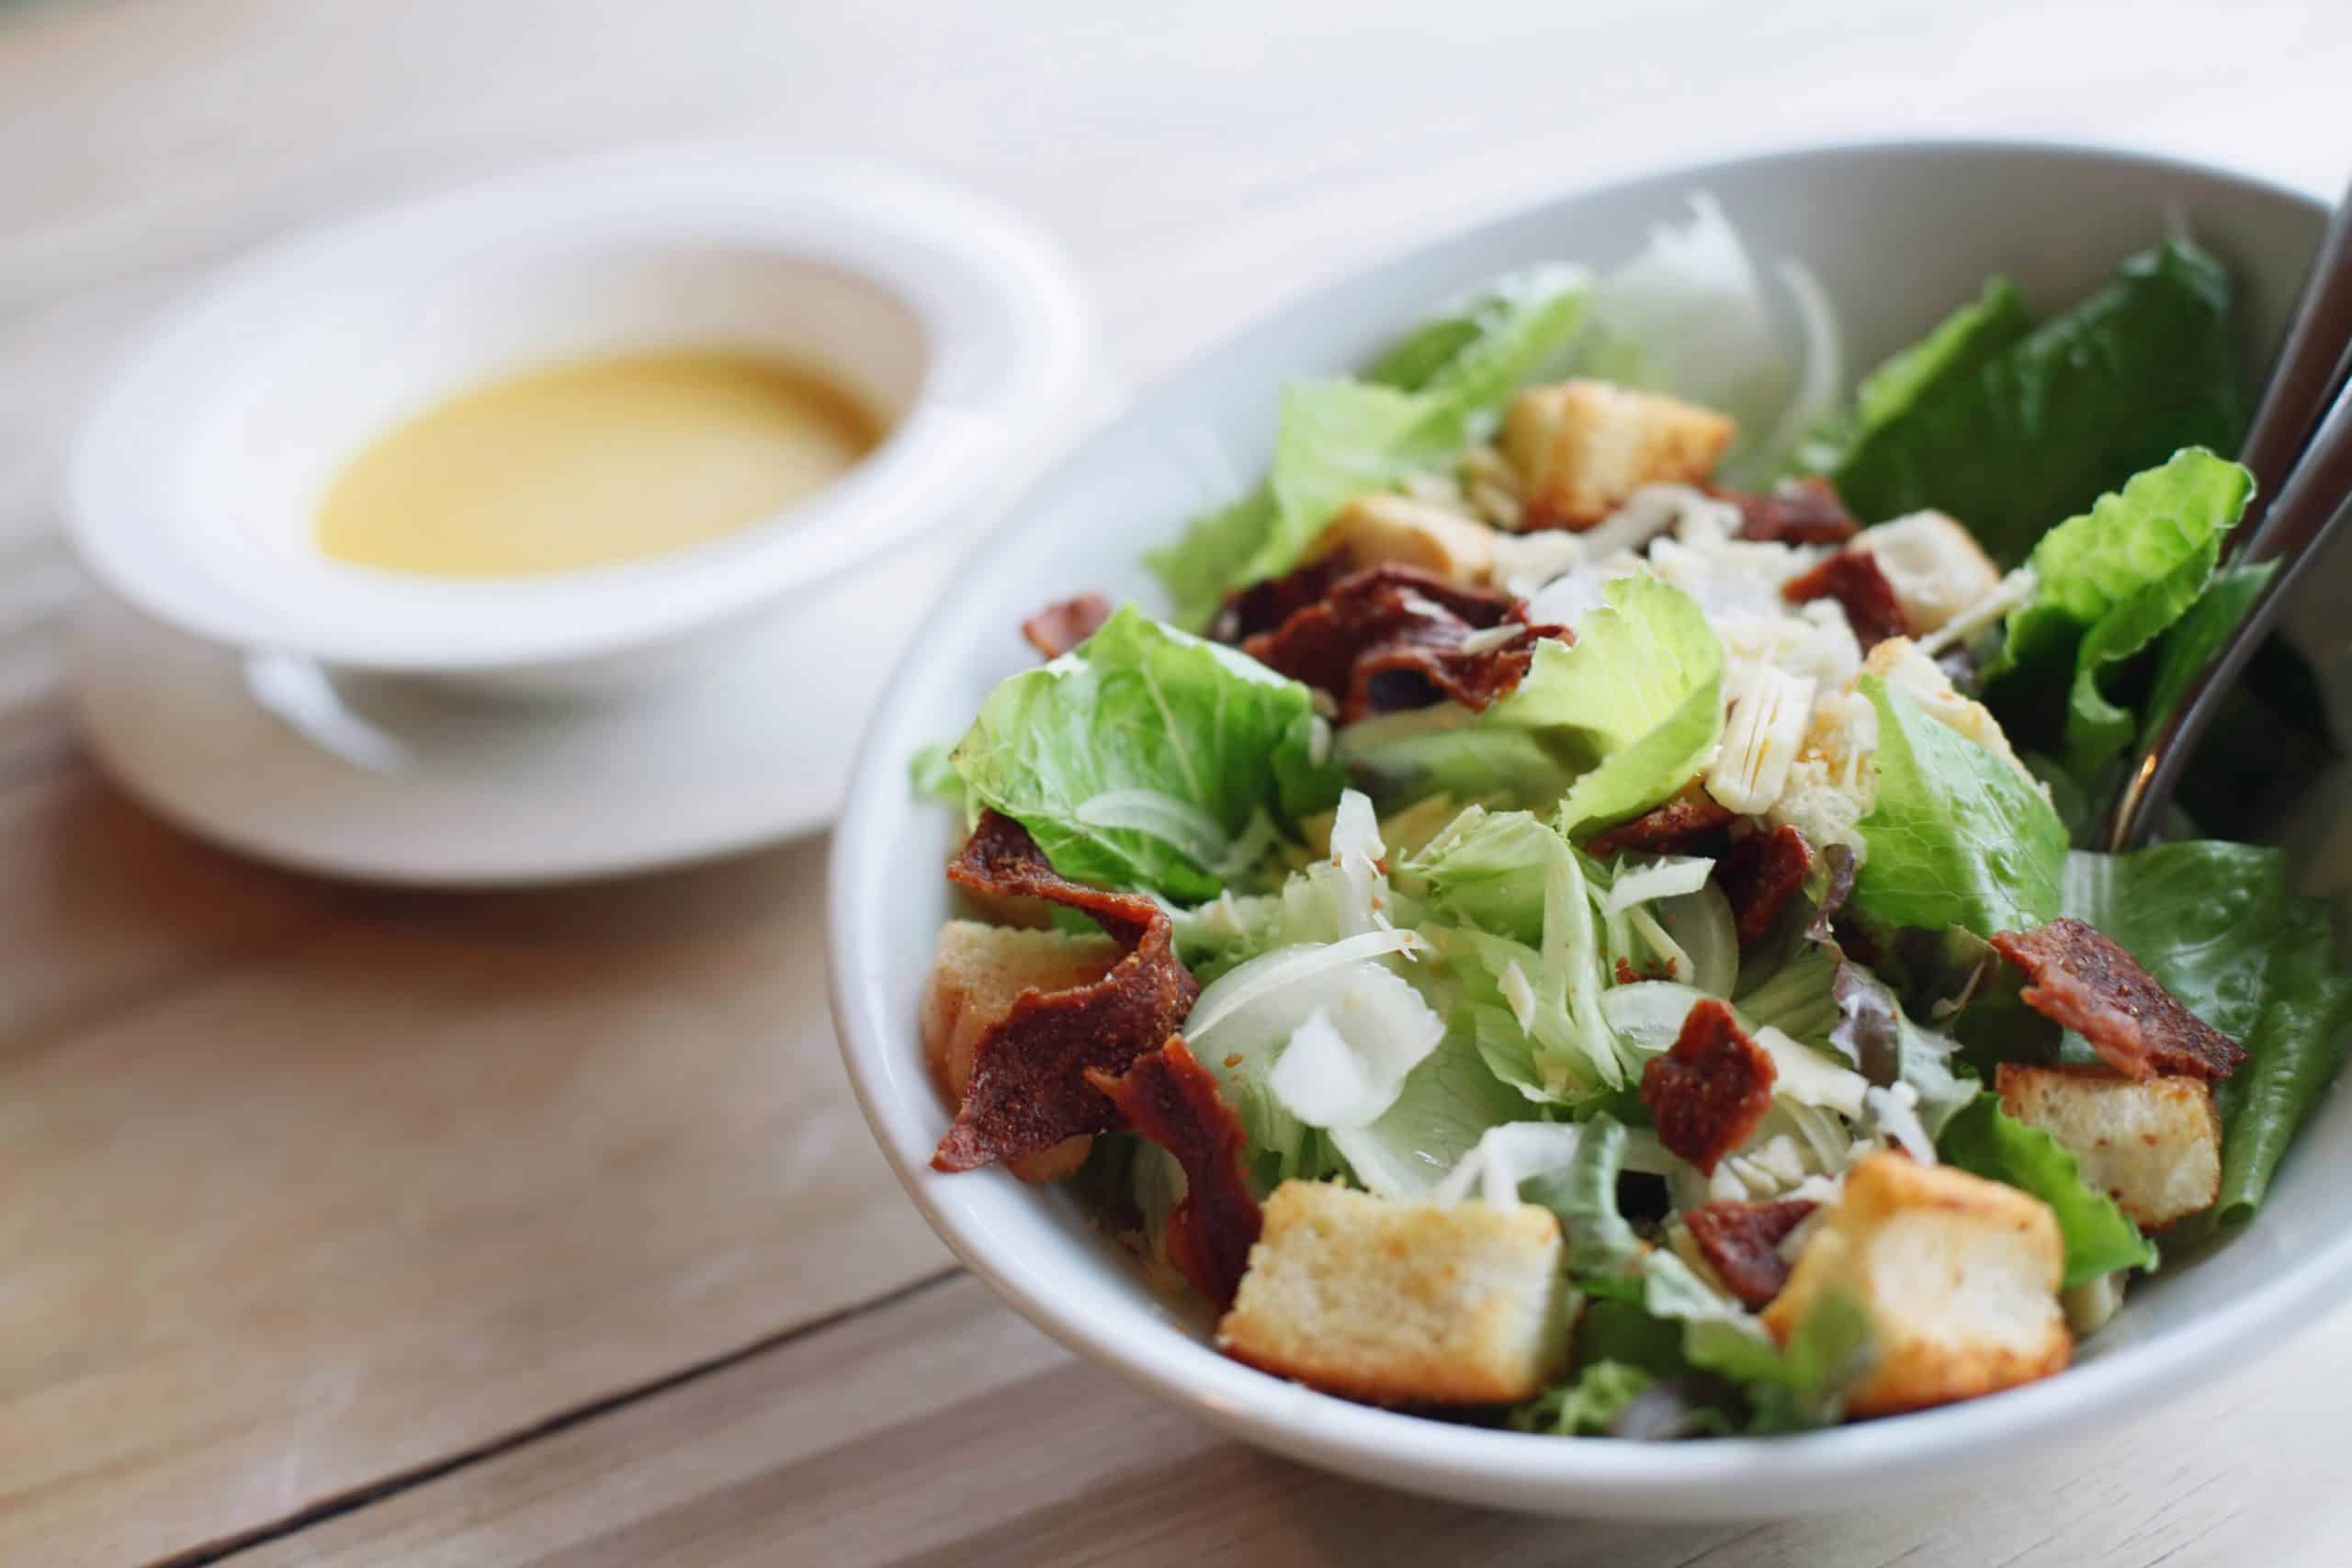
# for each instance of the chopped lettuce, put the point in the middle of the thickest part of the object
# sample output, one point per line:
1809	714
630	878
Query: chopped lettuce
1589	1405
2011	441
1536	943
2219	926
1448	1104
1799	1386
1878	1038
2099	1237
1474	353
1604	1255
1338	438
1143	757
1955	836
1828	1351
1207	562
2109	583
932	775
1534	1005
1607	726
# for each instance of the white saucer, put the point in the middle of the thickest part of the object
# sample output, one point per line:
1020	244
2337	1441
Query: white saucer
402	781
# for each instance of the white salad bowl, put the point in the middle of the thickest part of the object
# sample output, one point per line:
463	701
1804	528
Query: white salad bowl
1897	234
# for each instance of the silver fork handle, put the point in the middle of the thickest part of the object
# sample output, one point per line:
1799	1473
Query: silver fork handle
2310	511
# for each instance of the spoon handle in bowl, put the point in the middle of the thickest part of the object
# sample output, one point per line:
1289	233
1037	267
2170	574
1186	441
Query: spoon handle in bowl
2310	365
2311	510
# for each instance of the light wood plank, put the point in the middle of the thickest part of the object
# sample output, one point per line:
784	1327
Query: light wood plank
411	1178
939	1430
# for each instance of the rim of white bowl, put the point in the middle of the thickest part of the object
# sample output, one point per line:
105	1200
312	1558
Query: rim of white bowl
1727	1478
968	270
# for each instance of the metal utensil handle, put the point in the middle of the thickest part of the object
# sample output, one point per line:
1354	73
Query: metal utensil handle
2311	365
2312	507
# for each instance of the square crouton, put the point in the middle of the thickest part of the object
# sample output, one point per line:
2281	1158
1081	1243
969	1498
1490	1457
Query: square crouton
1397	530
1933	563
1582	447
2154	1146
1402	1303
1959	1276
975	972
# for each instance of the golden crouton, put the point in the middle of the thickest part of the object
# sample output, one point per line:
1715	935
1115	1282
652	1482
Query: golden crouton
1935	566
1395	530
1402	1303
1898	662
975	972
1582	447
1959	1276
2154	1146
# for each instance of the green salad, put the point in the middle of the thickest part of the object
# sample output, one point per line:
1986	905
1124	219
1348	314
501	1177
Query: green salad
1572	909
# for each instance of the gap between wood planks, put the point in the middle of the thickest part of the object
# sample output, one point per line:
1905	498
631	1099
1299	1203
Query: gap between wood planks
392	1485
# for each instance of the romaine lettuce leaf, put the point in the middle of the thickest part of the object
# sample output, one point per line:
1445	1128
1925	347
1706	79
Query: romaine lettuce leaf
1142	757
1208	559
2106	584
932	773
2296	1049
1338	439
2011	443
1987	1141
2218	927
2197	636
1955	836
1958	348
1607	727
1474	353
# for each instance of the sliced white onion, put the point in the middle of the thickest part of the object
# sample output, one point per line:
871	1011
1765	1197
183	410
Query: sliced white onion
1271	972
1347	1060
1676	873
1507	1155
1804	1075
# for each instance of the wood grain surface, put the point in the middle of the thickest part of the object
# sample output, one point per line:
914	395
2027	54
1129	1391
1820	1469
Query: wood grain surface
346	1226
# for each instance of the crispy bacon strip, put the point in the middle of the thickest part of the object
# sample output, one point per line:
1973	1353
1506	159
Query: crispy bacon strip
1171	1098
1267	603
1392	636
1759	874
1707	1093
1055	629
1741	1243
1856	581
2077	977
1797	512
1690	823
1028	1088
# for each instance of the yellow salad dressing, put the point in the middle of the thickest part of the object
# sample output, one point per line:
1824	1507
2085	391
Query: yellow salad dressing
589	464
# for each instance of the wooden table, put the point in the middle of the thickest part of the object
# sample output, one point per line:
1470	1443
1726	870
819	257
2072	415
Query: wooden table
351	1226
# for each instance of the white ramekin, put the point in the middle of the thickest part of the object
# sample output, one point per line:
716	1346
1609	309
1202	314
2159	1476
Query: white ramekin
193	490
